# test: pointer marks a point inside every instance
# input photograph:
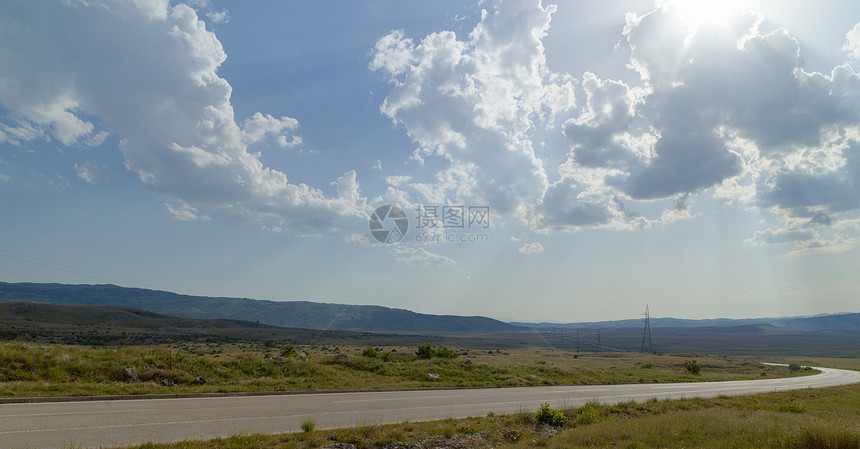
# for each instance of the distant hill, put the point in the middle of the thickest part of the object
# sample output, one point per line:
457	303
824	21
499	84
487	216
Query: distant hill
117	325
842	322
298	314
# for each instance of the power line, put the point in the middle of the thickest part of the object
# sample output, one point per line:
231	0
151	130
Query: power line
647	331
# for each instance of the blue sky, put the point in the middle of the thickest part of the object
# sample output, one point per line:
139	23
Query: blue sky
700	157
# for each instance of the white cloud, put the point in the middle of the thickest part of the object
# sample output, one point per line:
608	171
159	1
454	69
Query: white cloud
531	248
720	108
93	173
218	17
256	127
852	44
185	212
420	256
360	239
148	70
474	103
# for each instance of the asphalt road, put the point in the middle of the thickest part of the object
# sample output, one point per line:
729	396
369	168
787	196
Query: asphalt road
126	422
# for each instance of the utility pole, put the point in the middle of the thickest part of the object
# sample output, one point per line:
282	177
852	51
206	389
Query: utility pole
647	331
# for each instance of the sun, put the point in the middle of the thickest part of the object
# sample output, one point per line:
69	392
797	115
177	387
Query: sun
717	12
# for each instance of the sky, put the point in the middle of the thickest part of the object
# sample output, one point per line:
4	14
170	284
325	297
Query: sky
522	160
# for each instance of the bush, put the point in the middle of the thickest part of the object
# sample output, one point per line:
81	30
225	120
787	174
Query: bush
819	437
370	352
794	367
791	407
444	353
308	425
425	352
588	414
289	351
693	367
549	416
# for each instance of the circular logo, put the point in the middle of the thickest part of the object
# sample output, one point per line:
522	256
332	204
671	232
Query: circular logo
388	224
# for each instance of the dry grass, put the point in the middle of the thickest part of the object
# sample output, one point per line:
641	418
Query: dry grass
830	420
29	370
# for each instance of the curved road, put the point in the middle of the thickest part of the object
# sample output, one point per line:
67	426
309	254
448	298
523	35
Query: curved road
127	422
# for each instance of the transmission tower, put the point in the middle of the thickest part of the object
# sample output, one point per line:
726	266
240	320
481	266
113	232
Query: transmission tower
646	333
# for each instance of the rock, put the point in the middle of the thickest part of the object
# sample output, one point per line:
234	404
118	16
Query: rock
340	355
432	377
302	357
276	358
340	446
470	441
512	434
129	374
548	431
168	382
199	380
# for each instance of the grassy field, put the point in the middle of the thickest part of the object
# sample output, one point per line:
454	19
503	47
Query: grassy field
34	370
804	419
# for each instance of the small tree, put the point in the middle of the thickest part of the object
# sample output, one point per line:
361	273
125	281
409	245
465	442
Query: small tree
370	352
443	352
425	352
693	367
549	416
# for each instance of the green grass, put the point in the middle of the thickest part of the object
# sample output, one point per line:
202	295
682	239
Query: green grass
827	418
32	370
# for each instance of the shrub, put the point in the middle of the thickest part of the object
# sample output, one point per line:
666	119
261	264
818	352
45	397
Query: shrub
289	351
370	352
308	425
428	352
549	416
824	438
444	353
791	407
425	352
693	367
794	367
588	414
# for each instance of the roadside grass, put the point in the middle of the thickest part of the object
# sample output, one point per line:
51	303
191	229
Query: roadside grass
830	419
32	370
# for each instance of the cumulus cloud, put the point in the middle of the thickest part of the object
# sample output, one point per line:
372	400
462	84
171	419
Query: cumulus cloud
93	172
531	248
422	257
723	108
473	103
852	44
148	70
183	211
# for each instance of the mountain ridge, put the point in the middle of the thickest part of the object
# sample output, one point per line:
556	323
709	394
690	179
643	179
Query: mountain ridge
298	314
366	318
816	323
